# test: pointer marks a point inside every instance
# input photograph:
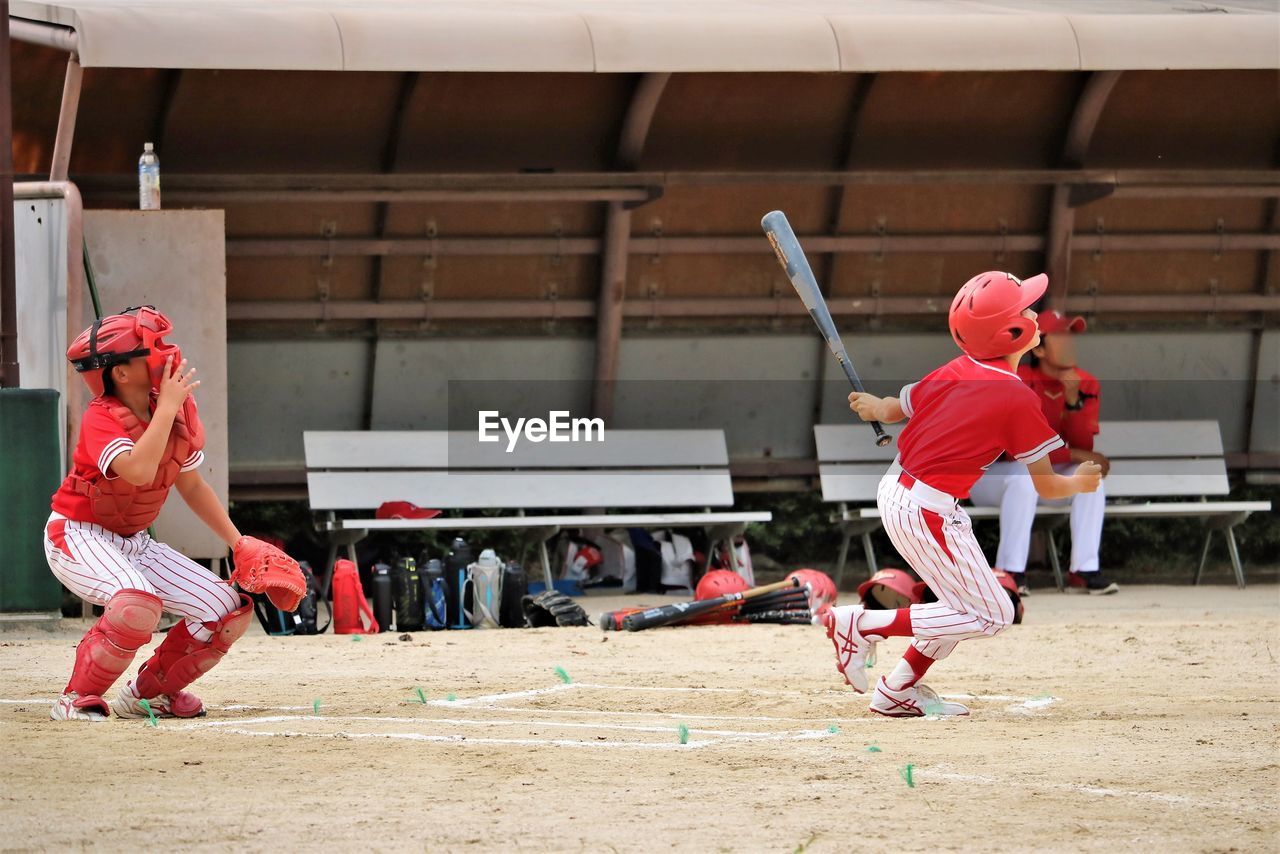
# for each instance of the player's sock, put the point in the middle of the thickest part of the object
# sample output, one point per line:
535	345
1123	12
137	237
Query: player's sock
909	670
878	625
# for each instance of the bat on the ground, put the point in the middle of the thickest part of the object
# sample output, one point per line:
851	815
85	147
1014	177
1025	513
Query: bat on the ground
677	612
792	258
786	616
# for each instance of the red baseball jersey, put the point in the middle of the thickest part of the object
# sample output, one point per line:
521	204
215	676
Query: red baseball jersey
102	439
1077	427
964	416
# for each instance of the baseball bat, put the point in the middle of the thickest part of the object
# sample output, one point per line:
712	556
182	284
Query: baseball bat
665	615
792	258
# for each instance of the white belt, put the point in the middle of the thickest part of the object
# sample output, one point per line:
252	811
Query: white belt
923	494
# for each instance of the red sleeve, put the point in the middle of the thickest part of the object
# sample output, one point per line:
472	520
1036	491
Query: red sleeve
1027	434
1080	426
103	438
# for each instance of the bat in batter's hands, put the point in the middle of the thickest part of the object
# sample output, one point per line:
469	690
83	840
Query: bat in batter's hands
787	247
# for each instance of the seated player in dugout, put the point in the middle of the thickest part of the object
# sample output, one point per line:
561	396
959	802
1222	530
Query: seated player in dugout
140	436
962	417
1070	399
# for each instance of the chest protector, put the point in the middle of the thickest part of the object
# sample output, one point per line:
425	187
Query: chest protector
126	509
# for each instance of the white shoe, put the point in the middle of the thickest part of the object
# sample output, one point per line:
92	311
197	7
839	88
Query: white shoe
852	649
914	701
72	707
182	704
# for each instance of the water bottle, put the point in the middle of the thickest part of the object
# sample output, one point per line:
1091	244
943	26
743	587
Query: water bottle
148	179
456	577
382	596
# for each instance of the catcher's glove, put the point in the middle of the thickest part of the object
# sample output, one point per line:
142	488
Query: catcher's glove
553	608
263	568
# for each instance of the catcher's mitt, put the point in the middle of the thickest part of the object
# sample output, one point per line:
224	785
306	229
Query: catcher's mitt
263	568
553	608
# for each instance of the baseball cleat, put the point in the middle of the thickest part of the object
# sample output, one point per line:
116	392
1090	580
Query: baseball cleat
1090	582
72	707
914	701
852	649
182	704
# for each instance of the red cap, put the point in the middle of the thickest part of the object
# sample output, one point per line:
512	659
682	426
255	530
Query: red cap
403	510
1051	321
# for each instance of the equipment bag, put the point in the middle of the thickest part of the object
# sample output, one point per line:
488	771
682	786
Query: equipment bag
349	604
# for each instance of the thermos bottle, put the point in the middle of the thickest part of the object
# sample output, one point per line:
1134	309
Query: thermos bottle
407	589
382	596
435	594
456	578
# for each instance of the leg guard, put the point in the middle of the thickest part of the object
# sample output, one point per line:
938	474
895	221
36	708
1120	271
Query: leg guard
108	648
181	659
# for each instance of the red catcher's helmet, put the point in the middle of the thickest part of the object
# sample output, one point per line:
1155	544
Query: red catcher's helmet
888	589
822	590
986	315
117	338
1007	582
718	582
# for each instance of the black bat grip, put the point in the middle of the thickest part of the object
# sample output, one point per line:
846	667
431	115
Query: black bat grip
882	438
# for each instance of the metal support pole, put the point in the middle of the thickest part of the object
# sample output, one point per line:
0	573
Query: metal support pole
58	170
10	376
1084	120
617	235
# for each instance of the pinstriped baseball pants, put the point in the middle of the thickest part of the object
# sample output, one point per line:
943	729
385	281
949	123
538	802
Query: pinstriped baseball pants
95	564
937	540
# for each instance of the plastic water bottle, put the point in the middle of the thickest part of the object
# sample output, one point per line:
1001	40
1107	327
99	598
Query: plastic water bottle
148	179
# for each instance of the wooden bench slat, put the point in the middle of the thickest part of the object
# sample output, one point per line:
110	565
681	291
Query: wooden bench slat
1164	508
453	450
354	490
1121	439
617	520
837	443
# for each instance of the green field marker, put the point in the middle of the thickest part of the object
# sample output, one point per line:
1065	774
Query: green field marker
684	733
422	698
564	675
151	715
833	728
908	774
874	748
315	707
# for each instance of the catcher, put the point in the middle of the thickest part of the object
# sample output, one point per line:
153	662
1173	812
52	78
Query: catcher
141	435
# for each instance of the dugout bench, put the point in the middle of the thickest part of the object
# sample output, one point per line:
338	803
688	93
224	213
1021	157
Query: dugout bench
359	470
1149	460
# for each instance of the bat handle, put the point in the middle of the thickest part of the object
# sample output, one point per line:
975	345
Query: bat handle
882	438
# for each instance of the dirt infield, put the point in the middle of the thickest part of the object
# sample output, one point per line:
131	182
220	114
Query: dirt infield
1147	719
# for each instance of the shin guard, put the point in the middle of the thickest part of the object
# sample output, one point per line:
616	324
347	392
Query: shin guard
181	659
108	648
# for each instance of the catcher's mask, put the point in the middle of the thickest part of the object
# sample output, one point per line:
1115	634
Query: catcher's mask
138	331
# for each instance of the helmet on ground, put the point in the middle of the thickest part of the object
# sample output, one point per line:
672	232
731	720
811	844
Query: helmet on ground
888	589
1007	582
117	338
822	590
924	593
986	315
718	582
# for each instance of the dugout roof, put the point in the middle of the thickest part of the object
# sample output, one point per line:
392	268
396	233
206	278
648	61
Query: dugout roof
669	35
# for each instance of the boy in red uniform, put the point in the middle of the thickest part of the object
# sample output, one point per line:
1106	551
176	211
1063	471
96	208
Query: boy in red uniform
140	436
963	417
1070	399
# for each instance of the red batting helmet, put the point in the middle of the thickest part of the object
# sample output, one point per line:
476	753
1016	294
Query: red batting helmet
822	590
117	338
718	582
986	315
1007	582
888	589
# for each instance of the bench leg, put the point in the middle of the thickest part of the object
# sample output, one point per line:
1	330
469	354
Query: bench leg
1053	561
840	561
870	551
546	563
1235	556
1204	556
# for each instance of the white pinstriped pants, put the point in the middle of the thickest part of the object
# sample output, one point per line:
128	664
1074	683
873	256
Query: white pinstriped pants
933	534
95	564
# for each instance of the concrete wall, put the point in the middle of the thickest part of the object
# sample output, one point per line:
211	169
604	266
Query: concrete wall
175	260
762	389
40	263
